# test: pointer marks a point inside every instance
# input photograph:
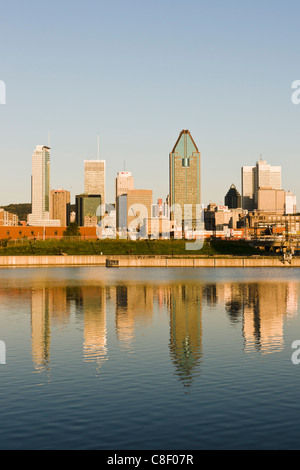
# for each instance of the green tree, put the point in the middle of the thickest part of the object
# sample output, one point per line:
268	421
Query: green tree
72	230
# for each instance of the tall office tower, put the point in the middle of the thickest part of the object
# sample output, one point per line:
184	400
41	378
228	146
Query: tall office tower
40	188
60	206
258	177
248	188
94	179
290	203
233	199
124	183
185	180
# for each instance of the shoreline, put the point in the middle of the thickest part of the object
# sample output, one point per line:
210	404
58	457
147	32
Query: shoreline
139	261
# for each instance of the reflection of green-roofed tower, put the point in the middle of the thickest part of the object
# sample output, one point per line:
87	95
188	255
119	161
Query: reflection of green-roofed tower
185	184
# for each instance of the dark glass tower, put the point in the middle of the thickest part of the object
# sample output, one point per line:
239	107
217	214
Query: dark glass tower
233	199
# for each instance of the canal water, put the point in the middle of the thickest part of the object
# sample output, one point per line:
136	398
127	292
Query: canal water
149	359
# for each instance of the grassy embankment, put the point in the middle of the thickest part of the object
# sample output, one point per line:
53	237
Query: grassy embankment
124	247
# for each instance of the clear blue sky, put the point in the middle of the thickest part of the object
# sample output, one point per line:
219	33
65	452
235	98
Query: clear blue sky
138	72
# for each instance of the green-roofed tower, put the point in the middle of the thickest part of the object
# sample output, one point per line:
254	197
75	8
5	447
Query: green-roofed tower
185	179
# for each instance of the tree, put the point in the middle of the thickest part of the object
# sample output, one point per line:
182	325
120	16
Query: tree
72	230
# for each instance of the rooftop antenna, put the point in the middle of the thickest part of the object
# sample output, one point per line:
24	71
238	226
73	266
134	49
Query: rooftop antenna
49	139
124	166
98	144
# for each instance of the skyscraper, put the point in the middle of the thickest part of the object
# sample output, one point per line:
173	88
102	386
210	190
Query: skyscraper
124	183
185	180
260	176
88	209
233	199
248	187
290	203
60	206
139	204
40	188
94	178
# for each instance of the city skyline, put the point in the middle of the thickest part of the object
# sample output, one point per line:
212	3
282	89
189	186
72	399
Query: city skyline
260	184
115	80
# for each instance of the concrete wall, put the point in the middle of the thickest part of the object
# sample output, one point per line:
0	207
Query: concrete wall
145	261
15	261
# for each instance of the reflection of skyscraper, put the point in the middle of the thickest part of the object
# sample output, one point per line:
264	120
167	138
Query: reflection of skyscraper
264	312
134	306
262	308
40	328
186	330
124	321
292	299
48	305
95	333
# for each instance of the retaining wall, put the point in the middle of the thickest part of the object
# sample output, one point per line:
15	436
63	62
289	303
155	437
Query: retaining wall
146	261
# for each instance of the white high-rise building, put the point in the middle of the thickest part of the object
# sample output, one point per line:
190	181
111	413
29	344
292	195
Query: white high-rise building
290	203
94	179
248	187
260	176
40	188
124	183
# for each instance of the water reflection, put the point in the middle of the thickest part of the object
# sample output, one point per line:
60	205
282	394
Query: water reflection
133	304
95	331
261	308
126	312
185	330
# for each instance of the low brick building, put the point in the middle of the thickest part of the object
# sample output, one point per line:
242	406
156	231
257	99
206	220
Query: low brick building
40	233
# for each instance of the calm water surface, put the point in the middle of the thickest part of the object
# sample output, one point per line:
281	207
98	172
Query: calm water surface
128	359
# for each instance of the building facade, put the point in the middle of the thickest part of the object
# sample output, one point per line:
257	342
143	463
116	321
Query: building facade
271	200
60	206
139	207
94	179
262	175
40	188
218	218
124	183
185	181
88	208
290	203
233	199
8	219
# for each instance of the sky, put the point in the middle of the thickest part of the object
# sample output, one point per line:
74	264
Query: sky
137	72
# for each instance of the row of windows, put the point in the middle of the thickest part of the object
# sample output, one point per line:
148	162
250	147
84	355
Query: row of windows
21	233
